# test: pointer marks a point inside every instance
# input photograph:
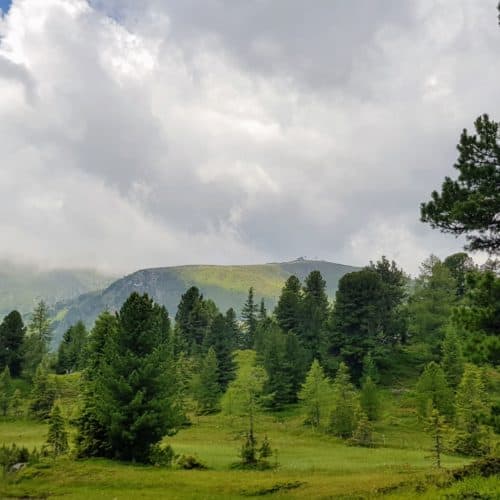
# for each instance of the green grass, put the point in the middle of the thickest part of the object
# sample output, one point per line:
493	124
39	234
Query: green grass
324	466
312	464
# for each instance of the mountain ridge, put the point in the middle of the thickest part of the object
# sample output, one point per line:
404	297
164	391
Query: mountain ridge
226	285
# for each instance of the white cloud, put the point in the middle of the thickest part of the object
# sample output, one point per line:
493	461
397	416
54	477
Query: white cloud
179	133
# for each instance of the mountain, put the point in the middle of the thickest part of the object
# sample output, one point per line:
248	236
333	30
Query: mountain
22	286
227	286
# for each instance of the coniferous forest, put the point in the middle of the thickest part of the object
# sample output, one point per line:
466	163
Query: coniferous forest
389	389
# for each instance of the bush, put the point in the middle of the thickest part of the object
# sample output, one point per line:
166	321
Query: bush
189	462
161	456
11	455
485	467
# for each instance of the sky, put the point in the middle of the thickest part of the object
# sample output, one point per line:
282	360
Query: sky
156	133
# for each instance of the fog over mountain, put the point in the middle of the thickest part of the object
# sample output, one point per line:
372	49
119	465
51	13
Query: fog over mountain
158	133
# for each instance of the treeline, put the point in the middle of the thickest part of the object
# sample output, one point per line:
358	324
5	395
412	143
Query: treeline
142	373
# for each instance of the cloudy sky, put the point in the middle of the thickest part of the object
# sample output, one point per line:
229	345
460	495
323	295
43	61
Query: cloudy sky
165	132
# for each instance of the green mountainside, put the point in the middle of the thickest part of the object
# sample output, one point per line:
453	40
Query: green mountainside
227	286
22	286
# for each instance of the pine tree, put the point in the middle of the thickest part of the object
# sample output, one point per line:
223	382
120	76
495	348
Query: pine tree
433	392
369	398
453	361
431	304
71	349
43	393
288	310
12	333
193	319
132	397
57	438
262	312
471	411
15	403
278	385
5	391
314	314
221	338
316	394
249	318
233	329
206	388
355	323
346	409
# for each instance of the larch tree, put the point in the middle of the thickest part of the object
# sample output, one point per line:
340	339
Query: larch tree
472	409
57	438
316	395
433	392
453	360
345	412
206	388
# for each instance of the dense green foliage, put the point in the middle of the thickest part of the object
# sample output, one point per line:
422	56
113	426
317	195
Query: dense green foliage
470	204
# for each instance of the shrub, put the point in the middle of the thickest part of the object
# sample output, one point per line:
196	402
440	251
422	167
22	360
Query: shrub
161	456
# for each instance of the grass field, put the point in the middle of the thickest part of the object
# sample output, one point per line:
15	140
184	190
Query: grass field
311	465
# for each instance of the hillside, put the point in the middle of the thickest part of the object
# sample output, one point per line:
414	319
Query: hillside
21	286
226	285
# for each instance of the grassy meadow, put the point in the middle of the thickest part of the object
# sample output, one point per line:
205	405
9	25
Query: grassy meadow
310	464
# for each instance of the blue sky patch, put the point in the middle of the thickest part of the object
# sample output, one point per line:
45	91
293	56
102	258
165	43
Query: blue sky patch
5	5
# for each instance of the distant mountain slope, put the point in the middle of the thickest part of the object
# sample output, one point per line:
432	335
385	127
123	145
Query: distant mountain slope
227	286
22	286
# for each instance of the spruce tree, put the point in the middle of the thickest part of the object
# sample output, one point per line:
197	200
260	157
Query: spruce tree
453	360
288	310
206	388
12	333
345	402
250	322
472	408
132	393
43	393
57	438
433	392
316	395
370	399
5	391
92	436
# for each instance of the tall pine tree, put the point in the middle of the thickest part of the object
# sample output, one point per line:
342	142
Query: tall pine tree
12	333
